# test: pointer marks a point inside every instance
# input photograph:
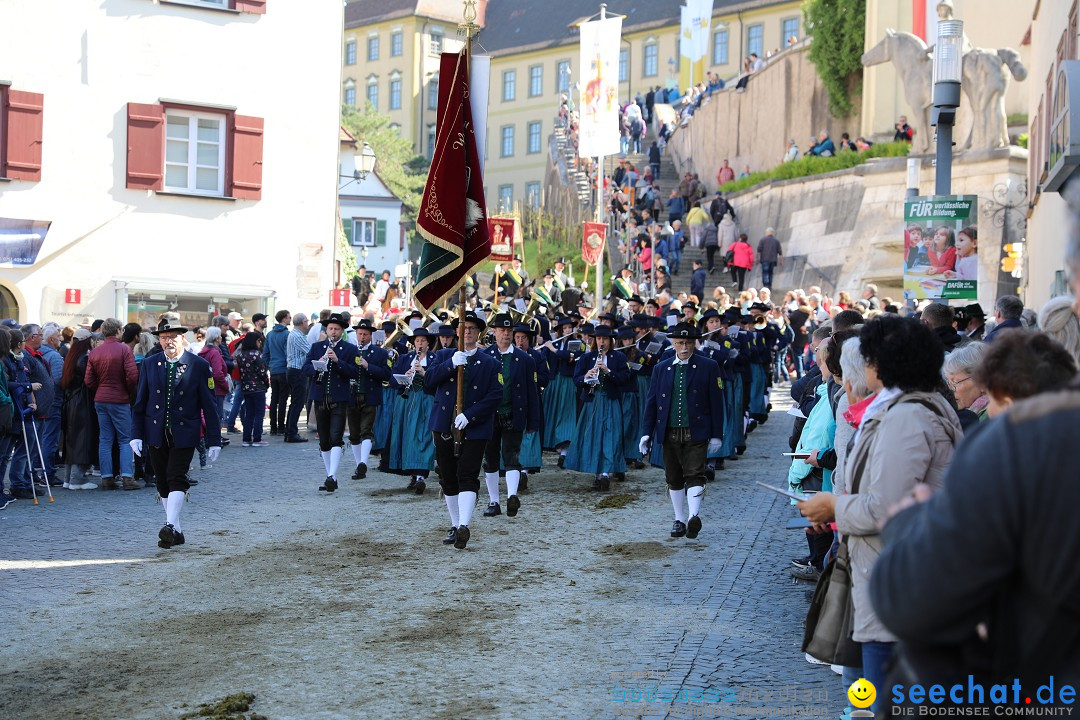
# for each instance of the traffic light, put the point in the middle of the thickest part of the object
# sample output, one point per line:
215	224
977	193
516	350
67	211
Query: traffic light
1013	262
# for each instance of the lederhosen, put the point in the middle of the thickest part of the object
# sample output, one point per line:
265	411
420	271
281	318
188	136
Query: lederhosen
684	459
171	463
361	416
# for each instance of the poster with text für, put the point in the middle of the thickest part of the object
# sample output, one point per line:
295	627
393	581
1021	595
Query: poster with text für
941	248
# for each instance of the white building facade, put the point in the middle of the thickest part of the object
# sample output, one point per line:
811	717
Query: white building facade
167	154
370	214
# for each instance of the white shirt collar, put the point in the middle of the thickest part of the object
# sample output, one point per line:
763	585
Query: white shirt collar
509	350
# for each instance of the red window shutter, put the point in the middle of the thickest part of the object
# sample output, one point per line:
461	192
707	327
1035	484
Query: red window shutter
247	157
24	135
145	146
251	6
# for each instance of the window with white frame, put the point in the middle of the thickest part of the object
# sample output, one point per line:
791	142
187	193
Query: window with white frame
507	141
350	52
536	80
532	194
790	29
194	152
509	85
755	40
363	232
624	65
373	48
395	93
506	198
534	137
650	67
720	47
433	93
373	92
396	44
436	45
562	76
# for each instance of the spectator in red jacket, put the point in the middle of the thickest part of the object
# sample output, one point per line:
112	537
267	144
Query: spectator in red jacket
112	376
742	260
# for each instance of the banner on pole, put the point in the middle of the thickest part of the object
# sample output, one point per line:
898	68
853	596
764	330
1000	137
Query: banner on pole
941	251
598	129
502	232
592	245
695	18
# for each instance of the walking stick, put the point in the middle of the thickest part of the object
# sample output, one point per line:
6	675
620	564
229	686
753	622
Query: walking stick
41	456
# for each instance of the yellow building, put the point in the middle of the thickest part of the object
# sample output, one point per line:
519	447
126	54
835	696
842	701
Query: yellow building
534	49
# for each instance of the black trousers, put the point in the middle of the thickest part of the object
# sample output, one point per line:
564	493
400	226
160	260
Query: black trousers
505	445
330	420
279	398
684	459
171	466
710	253
459	474
361	422
298	392
738	276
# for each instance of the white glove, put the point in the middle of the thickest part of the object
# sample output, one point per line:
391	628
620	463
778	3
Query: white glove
714	445
212	453
136	447
460	358
461	421
498	269
643	445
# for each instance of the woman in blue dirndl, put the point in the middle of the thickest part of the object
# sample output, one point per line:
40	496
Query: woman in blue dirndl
560	401
410	448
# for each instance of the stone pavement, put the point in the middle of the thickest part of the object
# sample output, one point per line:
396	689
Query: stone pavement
350	606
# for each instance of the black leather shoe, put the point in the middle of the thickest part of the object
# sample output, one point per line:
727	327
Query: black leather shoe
178	538
605	483
562	461
512	505
166	536
296	439
421	486
620	477
741	449
493	509
329	486
678	529
412	484
450	537
462	537
710	475
523	486
693	527
225	442
361	472
636	464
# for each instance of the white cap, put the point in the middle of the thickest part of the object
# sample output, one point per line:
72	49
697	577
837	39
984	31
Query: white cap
235	316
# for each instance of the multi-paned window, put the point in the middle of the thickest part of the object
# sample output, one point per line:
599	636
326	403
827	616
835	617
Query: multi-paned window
506	198
789	29
720	47
195	152
650	65
395	44
373	93
532	194
350	52
536	80
562	76
507	134
350	96
534	137
436	44
433	93
365	232
624	65
755	40
373	48
395	93
430	141
509	85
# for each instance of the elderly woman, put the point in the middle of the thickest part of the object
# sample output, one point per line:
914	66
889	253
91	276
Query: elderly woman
907	436
959	373
1021	364
1058	319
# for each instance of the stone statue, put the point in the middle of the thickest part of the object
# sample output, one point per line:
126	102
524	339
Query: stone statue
908	54
985	83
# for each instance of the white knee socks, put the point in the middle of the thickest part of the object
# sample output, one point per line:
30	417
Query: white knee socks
452	506
466	503
356	453
335	458
492	480
173	503
693	499
513	479
365	450
326	462
677	497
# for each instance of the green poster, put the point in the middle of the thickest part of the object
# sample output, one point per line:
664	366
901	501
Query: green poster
941	251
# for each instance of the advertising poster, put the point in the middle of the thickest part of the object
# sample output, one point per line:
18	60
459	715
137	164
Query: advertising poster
941	248
501	231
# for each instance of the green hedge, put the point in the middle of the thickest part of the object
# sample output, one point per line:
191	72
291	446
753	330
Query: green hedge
812	165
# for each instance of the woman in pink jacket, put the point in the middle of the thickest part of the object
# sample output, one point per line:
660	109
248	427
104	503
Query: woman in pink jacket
742	260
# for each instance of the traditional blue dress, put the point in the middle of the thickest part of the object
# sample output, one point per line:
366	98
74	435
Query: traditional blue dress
411	449
560	401
597	445
383	418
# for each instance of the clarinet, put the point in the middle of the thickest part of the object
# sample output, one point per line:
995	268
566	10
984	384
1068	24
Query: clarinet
592	387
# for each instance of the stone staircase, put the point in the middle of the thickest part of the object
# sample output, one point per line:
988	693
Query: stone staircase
565	157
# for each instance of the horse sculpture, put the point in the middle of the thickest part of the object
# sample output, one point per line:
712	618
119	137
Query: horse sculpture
985	83
908	53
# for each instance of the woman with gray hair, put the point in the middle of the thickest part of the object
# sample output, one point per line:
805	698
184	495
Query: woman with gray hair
1058	319
959	373
211	353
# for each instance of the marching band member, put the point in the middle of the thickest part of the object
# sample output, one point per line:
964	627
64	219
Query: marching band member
741	380
334	364
718	347
384	410
460	467
759	369
518	412
684	410
531	456
447	337
560	396
411	450
597	447
367	397
632	400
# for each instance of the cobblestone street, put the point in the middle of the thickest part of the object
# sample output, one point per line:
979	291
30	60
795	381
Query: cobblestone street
349	606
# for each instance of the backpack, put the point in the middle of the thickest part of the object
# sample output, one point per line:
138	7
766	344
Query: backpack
636	127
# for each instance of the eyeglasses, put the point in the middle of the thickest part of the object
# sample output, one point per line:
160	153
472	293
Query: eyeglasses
955	384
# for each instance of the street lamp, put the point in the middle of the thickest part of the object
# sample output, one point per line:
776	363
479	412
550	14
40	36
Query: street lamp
365	162
948	70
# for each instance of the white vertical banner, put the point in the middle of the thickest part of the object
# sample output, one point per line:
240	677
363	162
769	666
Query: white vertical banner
687	43
704	22
598	126
479	80
694	21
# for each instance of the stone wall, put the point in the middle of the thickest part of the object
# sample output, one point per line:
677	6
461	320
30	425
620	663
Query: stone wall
784	100
843	229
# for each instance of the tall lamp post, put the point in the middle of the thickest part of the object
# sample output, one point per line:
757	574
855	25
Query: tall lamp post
948	70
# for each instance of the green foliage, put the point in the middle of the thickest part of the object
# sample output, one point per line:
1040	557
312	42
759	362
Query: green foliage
1018	119
1022	140
813	165
403	171
546	238
839	30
